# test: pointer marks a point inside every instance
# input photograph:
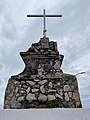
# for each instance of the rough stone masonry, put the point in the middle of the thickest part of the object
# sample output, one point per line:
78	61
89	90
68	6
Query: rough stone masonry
42	84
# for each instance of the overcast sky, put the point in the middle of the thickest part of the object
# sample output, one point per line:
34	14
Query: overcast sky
72	32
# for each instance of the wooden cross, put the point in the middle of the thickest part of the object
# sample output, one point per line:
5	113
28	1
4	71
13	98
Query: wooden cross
44	20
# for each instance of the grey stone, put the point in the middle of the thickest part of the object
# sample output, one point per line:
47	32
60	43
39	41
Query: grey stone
30	97
33	76
58	74
52	90
58	96
58	84
16	90
6	102
35	90
17	82
36	80
24	86
42	82
45	43
11	94
42	97
37	86
76	96
21	98
40	71
51	97
70	94
31	83
50	84
67	88
22	82
60	92
22	91
78	104
16	105
42	89
66	97
28	90
57	65
13	100
17	94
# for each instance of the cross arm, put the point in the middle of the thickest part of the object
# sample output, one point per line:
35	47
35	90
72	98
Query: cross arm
45	15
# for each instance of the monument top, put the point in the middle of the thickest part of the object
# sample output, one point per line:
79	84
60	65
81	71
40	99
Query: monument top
42	83
44	20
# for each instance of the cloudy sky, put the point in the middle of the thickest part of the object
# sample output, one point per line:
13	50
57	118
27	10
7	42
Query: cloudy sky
72	32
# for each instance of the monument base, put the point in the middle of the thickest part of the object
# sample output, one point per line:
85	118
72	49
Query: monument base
46	114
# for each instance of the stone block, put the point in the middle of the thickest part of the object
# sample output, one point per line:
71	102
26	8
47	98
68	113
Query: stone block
58	96
30	97
51	97
42	82
42	97
31	83
76	96
35	90
21	98
57	65
42	89
67	88
66	97
28	90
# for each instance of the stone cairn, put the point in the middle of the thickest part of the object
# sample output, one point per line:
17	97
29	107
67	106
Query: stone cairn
42	84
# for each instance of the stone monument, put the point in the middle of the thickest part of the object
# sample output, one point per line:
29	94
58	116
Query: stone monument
42	84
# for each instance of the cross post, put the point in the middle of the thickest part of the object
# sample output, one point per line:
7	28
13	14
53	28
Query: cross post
44	20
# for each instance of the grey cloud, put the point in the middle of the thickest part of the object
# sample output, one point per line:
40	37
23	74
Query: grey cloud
75	18
2	6
1	67
8	29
